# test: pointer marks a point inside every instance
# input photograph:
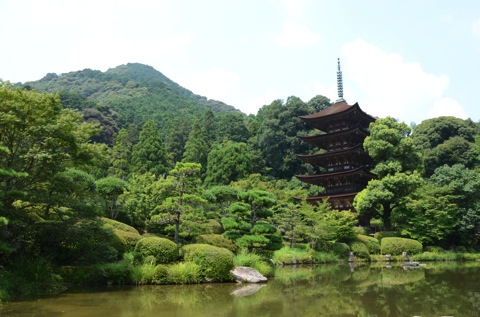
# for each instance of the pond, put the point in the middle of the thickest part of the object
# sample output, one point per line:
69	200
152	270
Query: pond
448	289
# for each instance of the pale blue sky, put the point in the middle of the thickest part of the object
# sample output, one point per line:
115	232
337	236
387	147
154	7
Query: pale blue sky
412	60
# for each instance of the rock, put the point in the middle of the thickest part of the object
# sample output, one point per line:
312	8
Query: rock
246	274
247	290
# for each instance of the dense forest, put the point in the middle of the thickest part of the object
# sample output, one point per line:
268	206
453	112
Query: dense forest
96	167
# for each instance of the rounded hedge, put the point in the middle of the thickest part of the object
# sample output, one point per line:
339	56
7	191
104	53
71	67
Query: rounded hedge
217	240
164	250
341	249
371	243
360	250
215	263
395	246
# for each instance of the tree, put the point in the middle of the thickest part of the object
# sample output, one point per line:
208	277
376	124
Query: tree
229	161
42	140
196	147
148	154
120	155
231	126
176	139
247	222
446	140
109	189
183	200
382	197
276	138
390	147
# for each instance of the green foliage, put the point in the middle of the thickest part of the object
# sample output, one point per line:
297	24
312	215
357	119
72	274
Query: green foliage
218	241
164	250
325	257
110	188
39	141
215	263
371	243
117	273
148	155
30	277
360	250
287	255
227	162
434	249
253	260
341	249
390	147
396	246
184	273
276	138
196	147
386	234
382	197
446	140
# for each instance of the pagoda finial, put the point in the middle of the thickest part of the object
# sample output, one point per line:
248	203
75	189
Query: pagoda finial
339	83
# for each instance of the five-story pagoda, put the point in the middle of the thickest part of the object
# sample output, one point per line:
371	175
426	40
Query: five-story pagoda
345	164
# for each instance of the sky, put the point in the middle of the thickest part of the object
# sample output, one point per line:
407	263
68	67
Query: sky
410	59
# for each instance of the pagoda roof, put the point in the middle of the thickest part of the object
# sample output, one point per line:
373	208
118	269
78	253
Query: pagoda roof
320	178
320	139
315	158
321	197
337	110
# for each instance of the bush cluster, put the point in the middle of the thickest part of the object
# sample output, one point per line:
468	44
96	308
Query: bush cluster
341	249
215	263
371	243
396	246
164	250
360	250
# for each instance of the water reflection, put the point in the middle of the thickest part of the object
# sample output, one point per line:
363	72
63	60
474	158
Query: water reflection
326	290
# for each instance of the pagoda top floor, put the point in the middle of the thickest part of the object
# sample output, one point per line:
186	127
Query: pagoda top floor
338	117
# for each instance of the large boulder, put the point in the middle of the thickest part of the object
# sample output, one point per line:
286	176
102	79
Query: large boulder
245	274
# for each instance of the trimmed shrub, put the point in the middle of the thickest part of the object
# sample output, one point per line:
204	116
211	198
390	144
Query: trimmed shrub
161	274
341	249
386	234
217	240
184	273
396	246
164	250
113	224
371	243
360	250
127	238
215	263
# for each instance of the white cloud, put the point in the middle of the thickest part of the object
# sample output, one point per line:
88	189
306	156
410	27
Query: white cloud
387	85
296	35
476	27
253	105
216	83
447	107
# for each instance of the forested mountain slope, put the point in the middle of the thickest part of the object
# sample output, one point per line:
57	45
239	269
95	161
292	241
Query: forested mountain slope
134	92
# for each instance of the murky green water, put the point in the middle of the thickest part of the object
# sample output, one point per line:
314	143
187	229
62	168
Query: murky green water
327	290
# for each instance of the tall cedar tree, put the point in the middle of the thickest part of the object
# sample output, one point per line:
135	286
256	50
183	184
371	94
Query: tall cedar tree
148	154
196	148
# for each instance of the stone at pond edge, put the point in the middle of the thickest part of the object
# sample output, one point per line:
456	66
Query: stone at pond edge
246	274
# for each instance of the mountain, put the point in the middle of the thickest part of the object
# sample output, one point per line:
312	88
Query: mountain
131	93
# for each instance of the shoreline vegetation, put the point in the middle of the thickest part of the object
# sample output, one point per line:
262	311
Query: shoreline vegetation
191	264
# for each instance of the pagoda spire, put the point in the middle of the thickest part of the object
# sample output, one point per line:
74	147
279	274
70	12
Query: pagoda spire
339	83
